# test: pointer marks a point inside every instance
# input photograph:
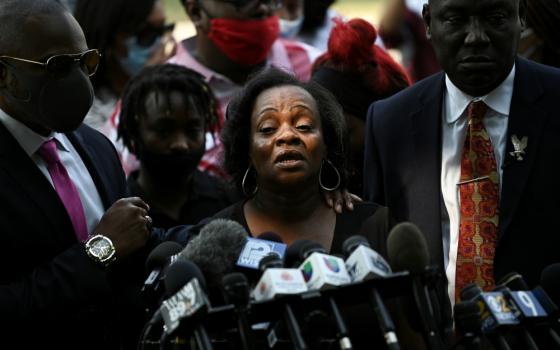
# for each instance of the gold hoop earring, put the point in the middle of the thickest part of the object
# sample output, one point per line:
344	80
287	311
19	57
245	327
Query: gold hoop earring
245	192
321	175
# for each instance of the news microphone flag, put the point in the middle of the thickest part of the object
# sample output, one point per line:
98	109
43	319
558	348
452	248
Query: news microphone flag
255	249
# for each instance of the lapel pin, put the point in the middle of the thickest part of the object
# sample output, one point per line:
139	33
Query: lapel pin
518	147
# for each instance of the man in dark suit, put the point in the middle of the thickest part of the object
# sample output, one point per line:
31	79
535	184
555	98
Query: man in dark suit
420	162
67	234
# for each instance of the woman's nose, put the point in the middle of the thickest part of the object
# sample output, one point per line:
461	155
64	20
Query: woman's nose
288	135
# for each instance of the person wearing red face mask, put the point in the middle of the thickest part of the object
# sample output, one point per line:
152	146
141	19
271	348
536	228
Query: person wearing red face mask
233	39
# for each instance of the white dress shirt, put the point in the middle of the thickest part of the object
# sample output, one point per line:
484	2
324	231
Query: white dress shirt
454	129
30	141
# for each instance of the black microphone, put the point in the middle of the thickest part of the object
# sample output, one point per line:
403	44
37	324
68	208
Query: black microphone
186	306
293	253
157	262
270	236
521	332
534	307
495	314
364	263
237	292
408	251
468	323
550	281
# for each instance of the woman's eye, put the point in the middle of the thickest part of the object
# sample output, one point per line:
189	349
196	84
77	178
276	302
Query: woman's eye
266	129
304	127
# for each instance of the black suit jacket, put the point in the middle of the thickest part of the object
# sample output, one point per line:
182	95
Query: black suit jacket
403	167
51	293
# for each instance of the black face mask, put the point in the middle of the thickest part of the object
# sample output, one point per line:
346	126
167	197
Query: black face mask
169	168
59	103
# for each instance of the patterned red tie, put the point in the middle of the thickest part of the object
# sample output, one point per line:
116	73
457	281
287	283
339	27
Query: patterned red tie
65	188
479	192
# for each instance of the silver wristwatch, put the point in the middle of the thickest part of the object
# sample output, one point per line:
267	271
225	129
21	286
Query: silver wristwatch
101	250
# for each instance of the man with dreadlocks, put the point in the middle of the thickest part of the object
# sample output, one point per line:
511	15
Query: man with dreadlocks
166	112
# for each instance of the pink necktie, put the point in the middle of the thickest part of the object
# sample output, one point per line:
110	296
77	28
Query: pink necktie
65	188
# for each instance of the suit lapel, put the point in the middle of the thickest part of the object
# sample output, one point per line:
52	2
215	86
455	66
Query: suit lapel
526	119
34	185
426	136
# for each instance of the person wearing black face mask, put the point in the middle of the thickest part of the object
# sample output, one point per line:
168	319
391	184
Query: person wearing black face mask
166	111
69	236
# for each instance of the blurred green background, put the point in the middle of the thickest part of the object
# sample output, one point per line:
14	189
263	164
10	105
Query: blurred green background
367	9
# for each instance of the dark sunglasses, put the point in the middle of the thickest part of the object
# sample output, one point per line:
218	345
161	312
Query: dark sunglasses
149	33
275	4
59	64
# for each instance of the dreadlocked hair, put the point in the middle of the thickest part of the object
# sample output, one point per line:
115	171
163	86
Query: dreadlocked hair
164	79
351	49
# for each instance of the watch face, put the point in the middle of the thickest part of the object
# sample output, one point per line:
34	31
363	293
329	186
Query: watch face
101	249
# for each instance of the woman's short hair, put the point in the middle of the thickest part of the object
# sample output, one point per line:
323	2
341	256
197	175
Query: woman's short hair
165	79
236	134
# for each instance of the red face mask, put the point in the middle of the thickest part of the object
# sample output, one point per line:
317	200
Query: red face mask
246	42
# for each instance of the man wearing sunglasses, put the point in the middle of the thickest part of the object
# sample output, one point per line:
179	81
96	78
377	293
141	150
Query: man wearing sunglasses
66	237
233	39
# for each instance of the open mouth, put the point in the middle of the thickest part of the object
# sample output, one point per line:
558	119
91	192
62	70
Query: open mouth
289	157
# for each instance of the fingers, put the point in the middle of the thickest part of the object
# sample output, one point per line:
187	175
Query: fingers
350	199
136	201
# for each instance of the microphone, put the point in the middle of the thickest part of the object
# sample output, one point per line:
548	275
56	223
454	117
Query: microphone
322	271
270	236
550	282
216	249
408	251
277	281
156	264
533	307
236	291
187	304
495	313
512	303
467	322
256	248
364	263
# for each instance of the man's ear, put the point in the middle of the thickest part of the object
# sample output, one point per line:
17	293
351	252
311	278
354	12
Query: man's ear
193	10
523	14
427	20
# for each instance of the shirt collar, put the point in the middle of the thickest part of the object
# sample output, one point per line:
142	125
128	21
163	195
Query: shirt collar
28	139
498	100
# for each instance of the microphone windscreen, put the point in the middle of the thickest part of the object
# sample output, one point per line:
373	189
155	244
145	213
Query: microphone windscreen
270	236
293	257
467	316
407	248
159	256
180	273
216	248
309	248
513	281
353	242
550	281
236	289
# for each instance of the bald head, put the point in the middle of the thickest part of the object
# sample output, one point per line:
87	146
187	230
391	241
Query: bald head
13	13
